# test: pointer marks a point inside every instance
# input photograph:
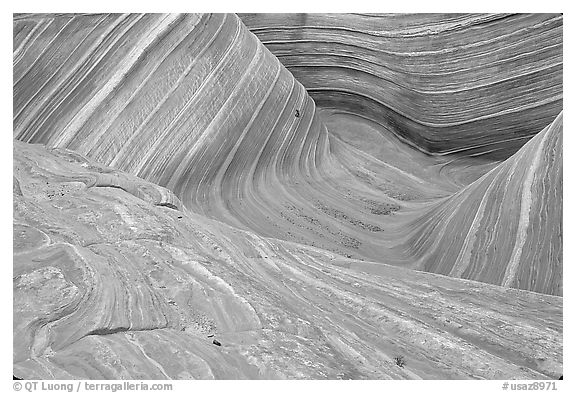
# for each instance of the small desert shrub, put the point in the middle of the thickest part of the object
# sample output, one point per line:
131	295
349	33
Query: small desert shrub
400	361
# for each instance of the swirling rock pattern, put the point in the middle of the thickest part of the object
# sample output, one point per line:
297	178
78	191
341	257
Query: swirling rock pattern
110	285
197	104
516	194
192	186
446	83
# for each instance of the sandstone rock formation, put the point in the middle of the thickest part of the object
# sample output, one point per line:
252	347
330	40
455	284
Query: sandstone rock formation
506	227
190	185
448	83
111	284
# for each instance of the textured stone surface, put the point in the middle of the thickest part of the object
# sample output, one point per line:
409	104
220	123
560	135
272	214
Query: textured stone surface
197	104
506	227
109	284
471	83
197	188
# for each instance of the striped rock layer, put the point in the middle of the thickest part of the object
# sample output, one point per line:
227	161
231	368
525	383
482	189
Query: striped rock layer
505	227
196	104
111	283
474	84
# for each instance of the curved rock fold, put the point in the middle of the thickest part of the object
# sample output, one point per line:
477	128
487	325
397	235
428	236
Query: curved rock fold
318	193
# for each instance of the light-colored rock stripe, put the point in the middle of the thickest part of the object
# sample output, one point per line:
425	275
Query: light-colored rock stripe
525	206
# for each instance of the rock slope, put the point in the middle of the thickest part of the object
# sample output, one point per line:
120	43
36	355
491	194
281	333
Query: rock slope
110	283
176	183
197	104
506	227
466	83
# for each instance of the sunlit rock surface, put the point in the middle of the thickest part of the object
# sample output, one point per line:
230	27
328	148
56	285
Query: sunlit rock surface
204	189
109	283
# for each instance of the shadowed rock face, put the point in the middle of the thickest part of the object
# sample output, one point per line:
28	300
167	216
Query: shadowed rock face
475	84
109	284
196	188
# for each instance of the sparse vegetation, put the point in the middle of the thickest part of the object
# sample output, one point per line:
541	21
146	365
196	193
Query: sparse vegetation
399	361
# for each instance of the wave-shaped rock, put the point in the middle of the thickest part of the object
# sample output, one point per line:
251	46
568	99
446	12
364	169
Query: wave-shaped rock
109	285
203	191
506	227
466	83
197	104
